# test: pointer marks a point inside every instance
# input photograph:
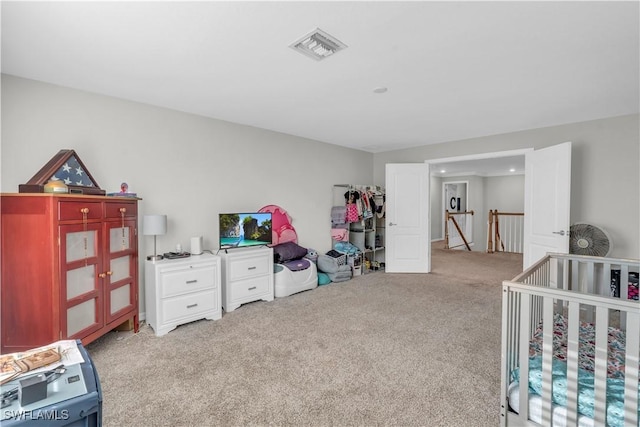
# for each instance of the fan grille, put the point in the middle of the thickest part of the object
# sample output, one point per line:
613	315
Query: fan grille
587	239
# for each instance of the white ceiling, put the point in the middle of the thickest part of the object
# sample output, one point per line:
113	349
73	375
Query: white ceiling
497	166
454	70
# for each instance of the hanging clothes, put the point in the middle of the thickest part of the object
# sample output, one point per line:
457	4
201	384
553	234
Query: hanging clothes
366	206
351	203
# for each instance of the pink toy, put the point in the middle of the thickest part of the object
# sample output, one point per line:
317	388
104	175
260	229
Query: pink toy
283	231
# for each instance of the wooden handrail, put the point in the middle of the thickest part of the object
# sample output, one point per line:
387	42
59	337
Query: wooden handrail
450	216
460	213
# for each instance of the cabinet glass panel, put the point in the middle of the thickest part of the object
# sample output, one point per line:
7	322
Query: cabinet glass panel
119	239
120	298
81	316
81	245
80	281
120	268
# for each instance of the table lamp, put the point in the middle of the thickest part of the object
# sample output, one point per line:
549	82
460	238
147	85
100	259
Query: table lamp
154	225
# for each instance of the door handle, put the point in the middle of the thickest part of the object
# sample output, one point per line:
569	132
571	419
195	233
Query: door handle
392	224
559	232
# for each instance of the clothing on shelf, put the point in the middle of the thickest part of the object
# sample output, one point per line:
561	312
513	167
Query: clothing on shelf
340	234
338	216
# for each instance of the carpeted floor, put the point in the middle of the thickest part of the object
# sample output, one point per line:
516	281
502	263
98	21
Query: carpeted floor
380	349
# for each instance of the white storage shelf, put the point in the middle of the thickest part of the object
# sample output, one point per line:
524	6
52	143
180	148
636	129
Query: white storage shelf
181	291
369	240
247	275
368	235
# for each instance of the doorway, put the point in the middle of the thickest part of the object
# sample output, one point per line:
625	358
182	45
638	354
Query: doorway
480	173
454	200
556	175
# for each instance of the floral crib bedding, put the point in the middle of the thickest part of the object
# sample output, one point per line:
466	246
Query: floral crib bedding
586	368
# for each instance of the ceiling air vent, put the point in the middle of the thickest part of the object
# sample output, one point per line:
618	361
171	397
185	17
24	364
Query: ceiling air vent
318	45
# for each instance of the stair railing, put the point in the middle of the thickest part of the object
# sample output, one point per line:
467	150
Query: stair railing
451	216
505	232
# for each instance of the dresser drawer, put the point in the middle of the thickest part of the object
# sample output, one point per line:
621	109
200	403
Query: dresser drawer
246	288
116	209
244	268
181	281
68	211
189	305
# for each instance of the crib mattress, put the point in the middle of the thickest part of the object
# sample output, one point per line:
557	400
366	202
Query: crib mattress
586	365
559	413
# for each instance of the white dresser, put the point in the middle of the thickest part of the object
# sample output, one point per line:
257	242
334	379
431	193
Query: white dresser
247	275
179	291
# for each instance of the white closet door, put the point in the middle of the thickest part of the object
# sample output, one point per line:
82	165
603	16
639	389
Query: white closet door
408	248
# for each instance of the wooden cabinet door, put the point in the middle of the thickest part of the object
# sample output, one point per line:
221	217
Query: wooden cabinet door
81	284
69	268
121	263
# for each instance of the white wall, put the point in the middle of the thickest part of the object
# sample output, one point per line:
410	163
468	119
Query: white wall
186	166
504	193
605	176
437	209
191	167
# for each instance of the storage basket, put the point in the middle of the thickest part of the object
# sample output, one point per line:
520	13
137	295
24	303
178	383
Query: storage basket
340	258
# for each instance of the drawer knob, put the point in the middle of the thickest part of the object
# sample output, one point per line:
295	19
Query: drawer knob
251	268
191	281
252	288
192	305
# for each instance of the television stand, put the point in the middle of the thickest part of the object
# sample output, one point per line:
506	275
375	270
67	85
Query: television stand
247	275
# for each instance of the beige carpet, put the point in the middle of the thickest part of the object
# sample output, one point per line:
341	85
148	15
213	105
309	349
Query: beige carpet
381	349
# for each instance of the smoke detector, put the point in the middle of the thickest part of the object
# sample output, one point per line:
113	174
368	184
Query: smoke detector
318	45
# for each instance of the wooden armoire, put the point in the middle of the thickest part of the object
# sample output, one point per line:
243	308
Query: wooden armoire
69	267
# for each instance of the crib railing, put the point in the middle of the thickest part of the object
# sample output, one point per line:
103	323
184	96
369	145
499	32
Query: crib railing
505	232
586	274
578	287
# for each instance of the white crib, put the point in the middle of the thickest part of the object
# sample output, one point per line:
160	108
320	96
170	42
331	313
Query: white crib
570	378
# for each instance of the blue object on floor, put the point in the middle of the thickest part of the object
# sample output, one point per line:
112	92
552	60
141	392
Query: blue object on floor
323	278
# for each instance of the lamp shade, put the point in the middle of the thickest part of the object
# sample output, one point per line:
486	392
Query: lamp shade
154	225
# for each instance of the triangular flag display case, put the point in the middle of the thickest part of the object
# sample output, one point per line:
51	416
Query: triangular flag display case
67	167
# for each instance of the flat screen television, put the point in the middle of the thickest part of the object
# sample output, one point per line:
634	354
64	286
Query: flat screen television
240	230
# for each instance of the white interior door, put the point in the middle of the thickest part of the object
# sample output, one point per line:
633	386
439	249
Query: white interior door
408	232
547	199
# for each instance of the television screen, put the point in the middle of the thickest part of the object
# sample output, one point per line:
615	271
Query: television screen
239	230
